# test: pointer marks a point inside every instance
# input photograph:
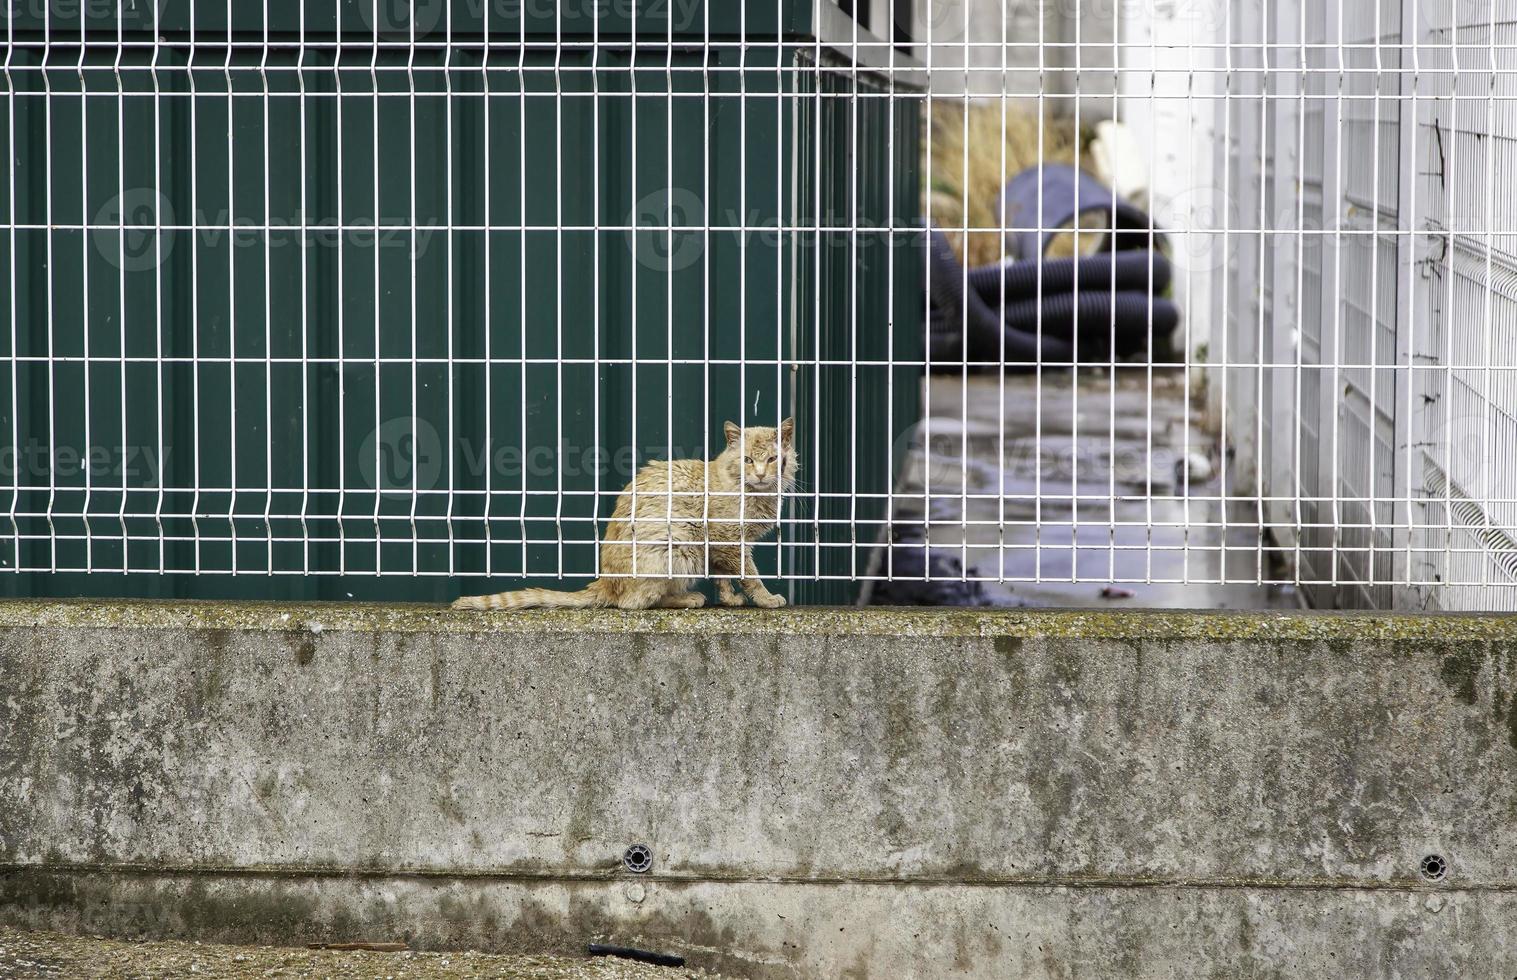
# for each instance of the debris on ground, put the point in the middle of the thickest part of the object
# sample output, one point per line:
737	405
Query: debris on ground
45	955
919	575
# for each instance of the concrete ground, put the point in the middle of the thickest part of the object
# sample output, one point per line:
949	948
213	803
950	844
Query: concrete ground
49	954
1051	490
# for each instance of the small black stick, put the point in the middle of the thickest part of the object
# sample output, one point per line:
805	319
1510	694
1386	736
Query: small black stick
641	955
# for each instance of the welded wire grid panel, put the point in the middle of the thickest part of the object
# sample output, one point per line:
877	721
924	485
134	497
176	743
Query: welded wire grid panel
355	298
1388	401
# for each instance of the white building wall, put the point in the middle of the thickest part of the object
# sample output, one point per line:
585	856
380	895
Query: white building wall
991	48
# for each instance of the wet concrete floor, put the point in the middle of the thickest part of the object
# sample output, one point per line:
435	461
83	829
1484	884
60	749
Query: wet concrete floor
1109	494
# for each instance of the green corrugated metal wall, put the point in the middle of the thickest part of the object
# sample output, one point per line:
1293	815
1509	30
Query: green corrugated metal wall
556	398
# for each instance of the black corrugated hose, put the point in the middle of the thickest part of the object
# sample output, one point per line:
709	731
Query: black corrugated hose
1143	271
965	325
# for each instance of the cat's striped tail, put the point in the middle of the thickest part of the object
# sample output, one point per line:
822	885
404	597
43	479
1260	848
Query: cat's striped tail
586	598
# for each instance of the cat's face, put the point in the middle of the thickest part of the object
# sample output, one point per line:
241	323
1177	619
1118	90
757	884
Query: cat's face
766	455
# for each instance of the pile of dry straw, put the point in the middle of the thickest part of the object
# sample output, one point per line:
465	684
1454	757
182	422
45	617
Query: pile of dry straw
973	151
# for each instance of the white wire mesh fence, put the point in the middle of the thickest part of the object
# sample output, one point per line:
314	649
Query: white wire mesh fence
1382	416
1204	301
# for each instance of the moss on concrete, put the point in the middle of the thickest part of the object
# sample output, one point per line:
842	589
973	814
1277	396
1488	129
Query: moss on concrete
1334	630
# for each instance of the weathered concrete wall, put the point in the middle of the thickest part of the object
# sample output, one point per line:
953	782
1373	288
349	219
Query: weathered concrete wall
859	793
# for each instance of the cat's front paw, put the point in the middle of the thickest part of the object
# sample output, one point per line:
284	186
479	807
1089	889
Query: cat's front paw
769	600
731	599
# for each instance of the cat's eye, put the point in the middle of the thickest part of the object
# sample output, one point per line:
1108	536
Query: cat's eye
771	459
748	459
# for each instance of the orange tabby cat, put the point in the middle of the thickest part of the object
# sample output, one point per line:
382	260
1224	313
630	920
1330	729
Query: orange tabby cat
686	509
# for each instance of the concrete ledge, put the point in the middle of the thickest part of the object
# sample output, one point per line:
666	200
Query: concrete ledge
826	792
720	620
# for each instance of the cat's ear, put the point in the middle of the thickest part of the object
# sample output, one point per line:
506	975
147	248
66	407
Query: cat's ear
734	432
787	427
